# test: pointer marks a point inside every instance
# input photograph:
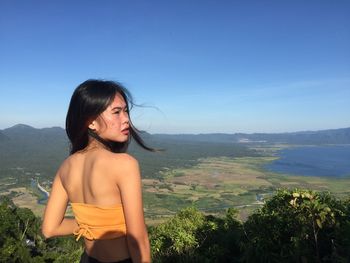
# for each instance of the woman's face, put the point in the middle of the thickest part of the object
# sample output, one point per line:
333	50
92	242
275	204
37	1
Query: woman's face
113	123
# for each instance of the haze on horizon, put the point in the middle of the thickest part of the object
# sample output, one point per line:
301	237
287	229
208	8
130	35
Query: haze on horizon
23	125
202	67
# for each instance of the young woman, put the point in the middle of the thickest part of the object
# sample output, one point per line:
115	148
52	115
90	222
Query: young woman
100	181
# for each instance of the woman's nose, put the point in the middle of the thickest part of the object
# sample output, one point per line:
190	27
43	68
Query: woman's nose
125	117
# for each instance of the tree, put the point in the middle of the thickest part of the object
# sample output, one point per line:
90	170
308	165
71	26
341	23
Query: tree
191	236
298	226
21	240
18	228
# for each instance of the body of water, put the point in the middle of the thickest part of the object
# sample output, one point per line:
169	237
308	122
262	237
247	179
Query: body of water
45	195
333	161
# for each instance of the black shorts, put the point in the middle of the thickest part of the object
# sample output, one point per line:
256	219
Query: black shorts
85	258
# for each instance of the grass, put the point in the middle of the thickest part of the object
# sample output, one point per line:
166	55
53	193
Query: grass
218	183
212	185
26	198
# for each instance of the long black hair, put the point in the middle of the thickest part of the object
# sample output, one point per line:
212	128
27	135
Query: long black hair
88	101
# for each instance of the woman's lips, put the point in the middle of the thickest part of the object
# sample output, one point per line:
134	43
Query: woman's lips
125	131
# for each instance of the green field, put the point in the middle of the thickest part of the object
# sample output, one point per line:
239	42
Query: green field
212	185
218	183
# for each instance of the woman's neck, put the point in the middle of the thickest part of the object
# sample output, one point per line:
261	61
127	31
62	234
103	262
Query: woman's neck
95	144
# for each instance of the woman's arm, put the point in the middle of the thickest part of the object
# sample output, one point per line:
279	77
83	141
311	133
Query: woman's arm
54	223
129	183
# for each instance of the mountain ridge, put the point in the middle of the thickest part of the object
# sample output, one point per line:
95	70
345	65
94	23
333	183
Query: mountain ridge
42	150
20	132
26	127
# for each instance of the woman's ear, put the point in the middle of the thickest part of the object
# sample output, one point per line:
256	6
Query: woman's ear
93	126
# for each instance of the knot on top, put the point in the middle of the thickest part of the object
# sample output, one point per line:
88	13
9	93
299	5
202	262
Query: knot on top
85	231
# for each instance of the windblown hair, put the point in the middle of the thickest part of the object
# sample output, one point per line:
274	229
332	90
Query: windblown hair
88	101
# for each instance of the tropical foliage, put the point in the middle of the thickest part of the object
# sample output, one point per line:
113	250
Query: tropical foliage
299	226
21	240
293	226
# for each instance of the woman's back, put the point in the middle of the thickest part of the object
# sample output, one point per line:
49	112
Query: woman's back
91	177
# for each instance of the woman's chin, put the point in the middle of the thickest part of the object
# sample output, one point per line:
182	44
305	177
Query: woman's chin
121	139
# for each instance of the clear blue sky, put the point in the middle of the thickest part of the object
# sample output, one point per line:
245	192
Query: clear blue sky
208	66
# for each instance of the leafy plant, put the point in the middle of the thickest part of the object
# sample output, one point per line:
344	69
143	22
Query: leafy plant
295	226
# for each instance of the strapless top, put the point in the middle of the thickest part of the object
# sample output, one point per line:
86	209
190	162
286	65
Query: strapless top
99	222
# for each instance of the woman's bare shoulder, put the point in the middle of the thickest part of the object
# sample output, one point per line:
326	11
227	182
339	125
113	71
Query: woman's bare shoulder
124	157
67	164
123	164
125	160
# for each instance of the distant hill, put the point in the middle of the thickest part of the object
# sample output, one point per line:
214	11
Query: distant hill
35	149
42	150
335	136
23	132
2	137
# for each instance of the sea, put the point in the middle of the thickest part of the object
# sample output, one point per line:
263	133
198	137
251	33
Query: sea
329	161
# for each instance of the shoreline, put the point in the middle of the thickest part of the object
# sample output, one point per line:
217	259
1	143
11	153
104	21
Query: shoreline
43	190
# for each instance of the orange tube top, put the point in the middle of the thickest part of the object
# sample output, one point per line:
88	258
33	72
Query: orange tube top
99	222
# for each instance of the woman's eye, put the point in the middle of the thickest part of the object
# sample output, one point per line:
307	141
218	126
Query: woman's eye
119	111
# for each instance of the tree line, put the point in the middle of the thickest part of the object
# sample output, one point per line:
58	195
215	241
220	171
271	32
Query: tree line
292	226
